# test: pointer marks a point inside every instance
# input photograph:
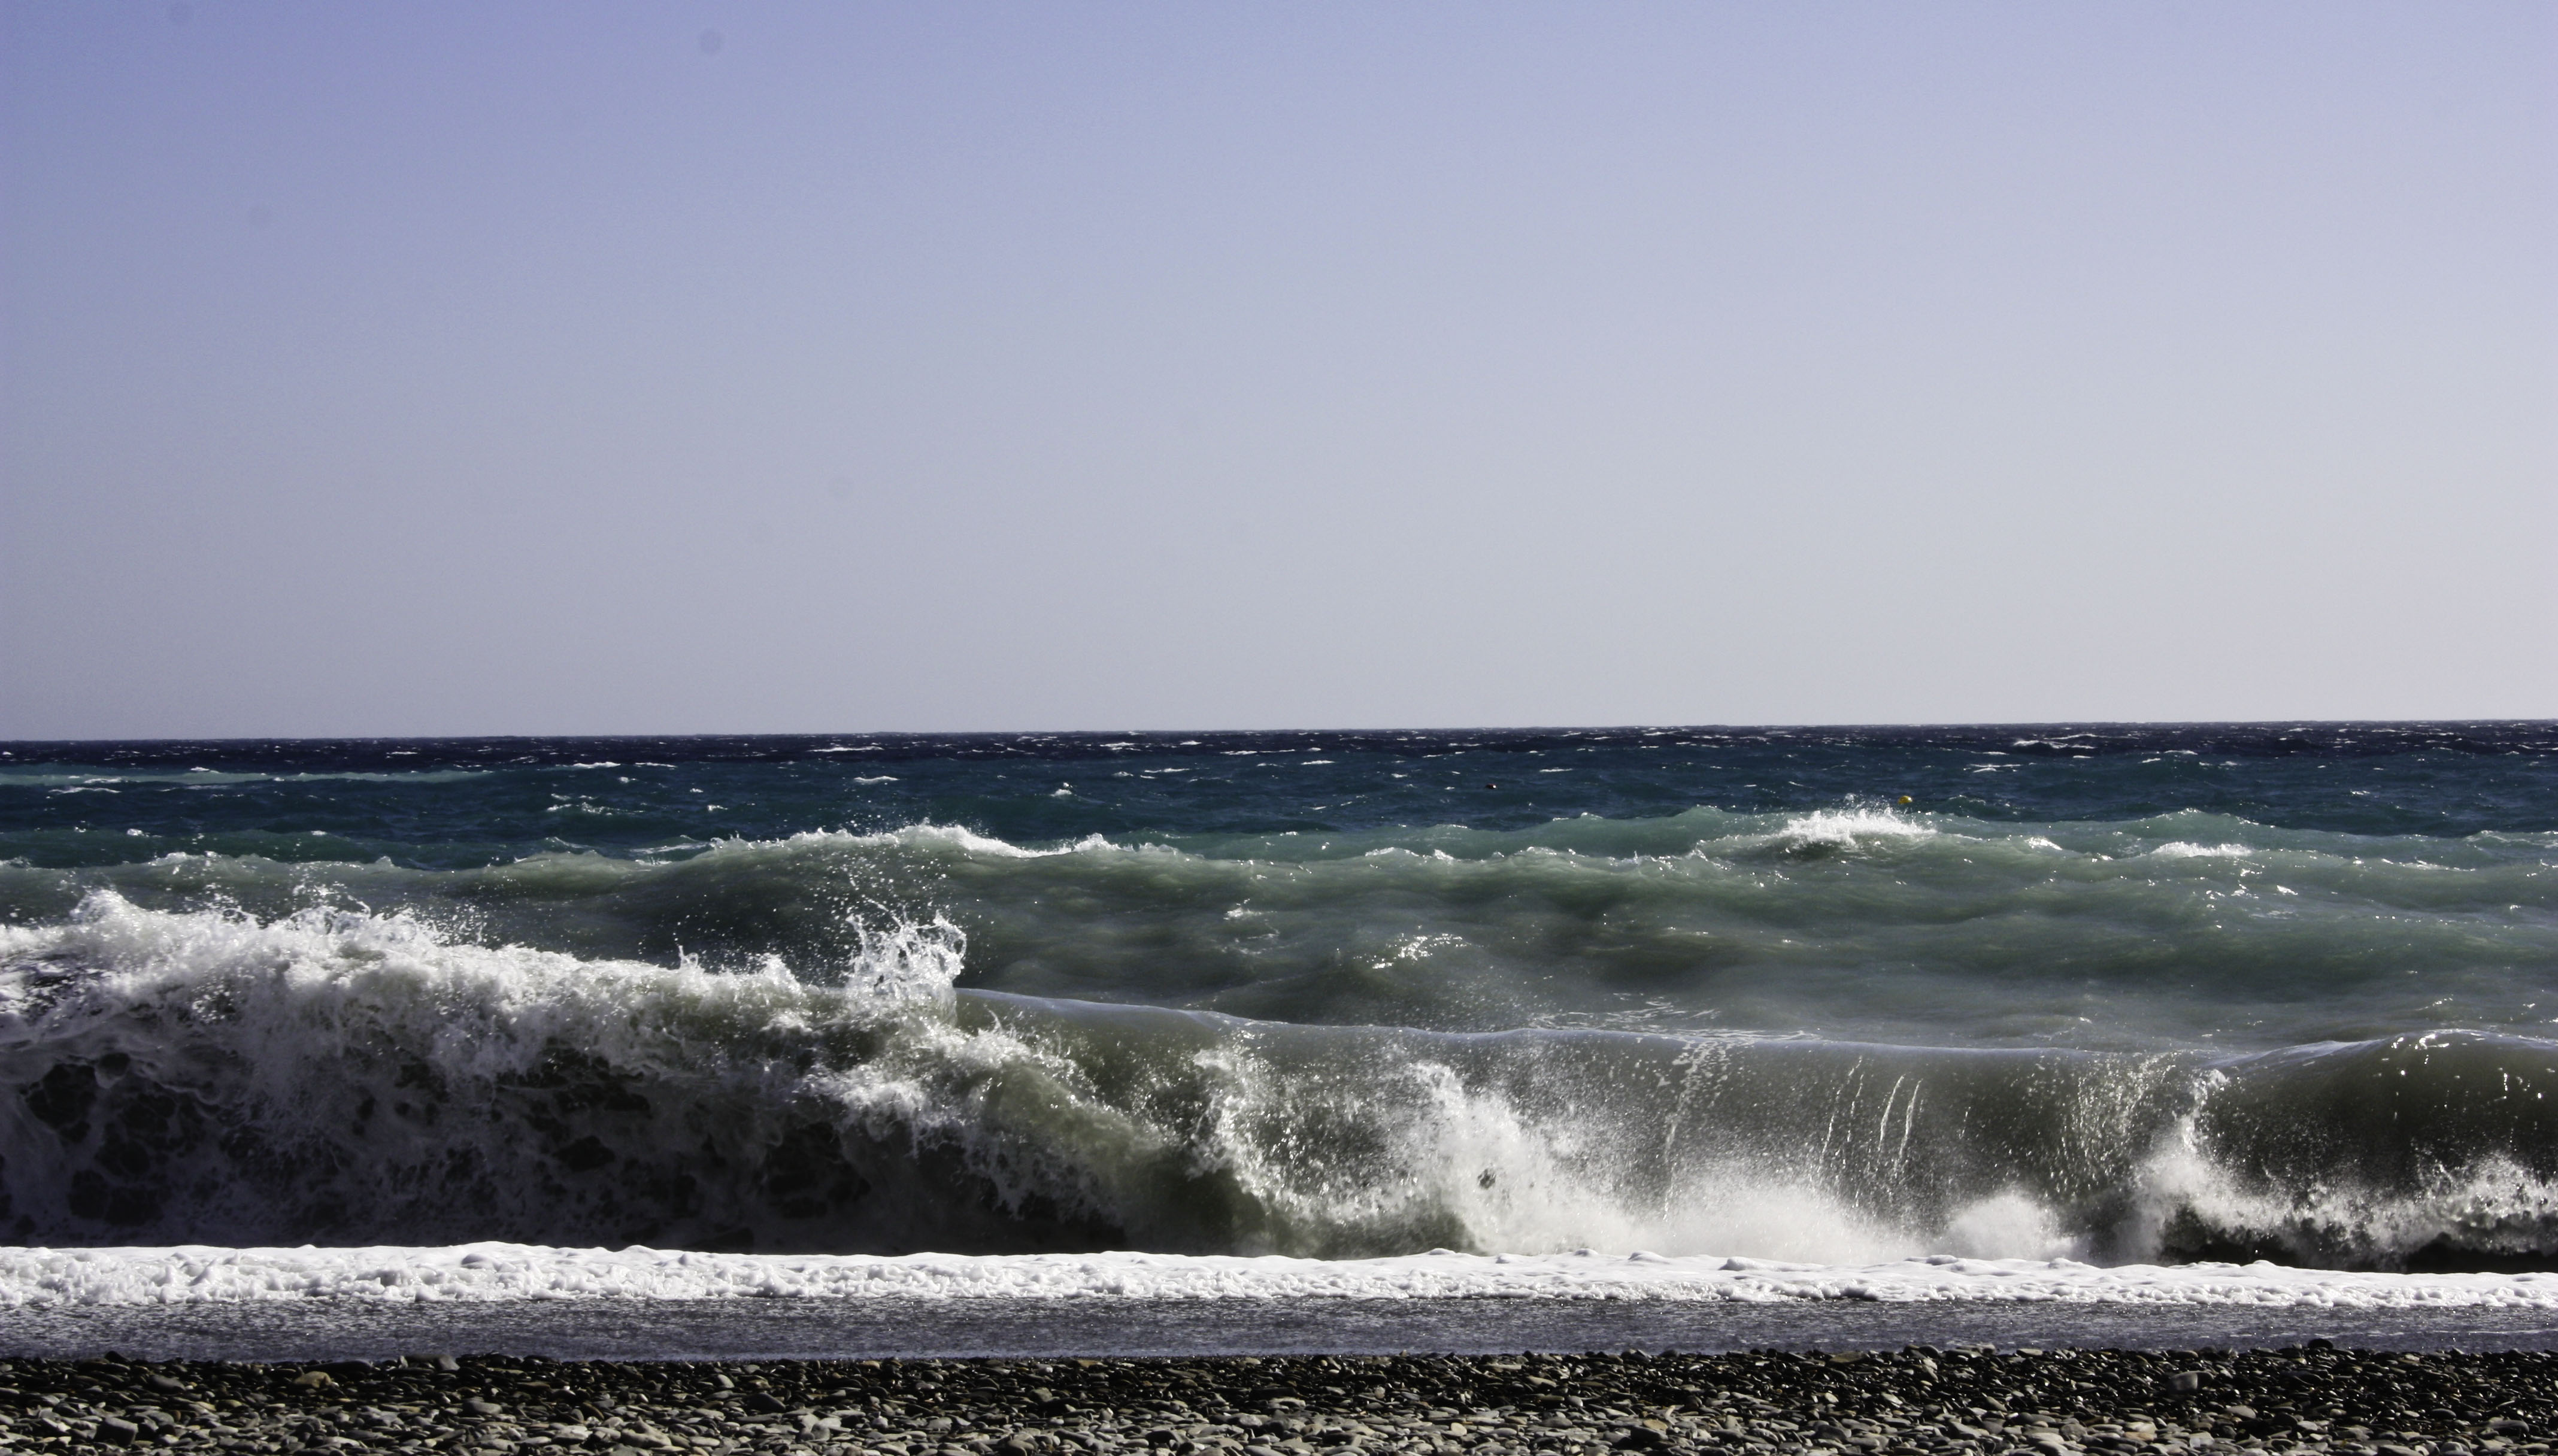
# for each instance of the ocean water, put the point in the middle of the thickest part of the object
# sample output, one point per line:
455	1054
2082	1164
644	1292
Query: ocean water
2074	1013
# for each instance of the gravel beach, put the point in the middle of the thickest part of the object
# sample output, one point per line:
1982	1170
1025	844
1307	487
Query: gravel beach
2304	1399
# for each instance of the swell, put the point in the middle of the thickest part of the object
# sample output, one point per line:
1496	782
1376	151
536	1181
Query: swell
336	1077
2188	929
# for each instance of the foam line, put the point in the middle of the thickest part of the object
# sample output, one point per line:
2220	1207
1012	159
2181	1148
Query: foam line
489	1272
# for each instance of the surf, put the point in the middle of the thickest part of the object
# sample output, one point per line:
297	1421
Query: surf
341	1077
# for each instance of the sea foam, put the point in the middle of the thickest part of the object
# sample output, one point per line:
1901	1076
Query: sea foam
494	1273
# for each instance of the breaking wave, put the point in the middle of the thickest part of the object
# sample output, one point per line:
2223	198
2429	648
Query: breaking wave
347	1076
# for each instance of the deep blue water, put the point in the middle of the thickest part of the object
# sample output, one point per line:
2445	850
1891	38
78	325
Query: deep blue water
453	803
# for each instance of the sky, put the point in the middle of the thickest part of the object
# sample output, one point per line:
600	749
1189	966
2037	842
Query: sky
653	368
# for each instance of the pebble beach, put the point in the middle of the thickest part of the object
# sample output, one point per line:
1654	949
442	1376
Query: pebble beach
1919	1399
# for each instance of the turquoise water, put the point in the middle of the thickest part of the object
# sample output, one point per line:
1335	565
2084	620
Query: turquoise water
2118	993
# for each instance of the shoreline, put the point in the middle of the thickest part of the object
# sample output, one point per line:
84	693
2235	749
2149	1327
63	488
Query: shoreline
2312	1400
1132	1326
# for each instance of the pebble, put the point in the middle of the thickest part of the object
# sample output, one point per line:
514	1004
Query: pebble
2308	1400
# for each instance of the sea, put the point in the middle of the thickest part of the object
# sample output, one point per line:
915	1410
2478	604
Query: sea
1104	1043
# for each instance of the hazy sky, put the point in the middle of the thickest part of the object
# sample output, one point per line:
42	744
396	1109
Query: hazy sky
380	369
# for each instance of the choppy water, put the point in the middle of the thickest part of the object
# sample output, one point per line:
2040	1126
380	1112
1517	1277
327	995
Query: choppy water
1828	996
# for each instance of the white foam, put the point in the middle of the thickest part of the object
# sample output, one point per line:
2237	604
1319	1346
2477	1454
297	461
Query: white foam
952	835
497	1273
2180	849
316	960
1842	828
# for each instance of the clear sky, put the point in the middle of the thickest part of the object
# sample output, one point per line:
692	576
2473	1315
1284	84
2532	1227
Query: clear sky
465	367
